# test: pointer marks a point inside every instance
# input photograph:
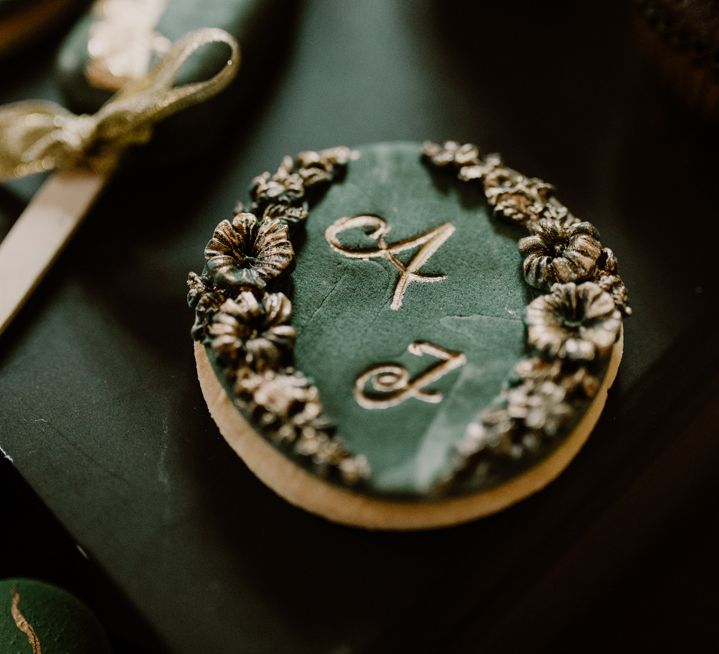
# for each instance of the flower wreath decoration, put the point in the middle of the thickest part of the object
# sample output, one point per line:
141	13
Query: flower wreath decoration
571	326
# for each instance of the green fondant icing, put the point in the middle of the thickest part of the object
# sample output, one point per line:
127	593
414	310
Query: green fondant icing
59	621
345	325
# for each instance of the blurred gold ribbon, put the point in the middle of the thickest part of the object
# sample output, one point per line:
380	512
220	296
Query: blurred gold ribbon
37	135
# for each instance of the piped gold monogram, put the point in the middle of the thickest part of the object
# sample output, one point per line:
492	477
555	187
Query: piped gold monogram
377	229
22	624
392	384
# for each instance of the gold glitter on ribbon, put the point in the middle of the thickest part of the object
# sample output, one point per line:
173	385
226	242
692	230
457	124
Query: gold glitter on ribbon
37	136
22	624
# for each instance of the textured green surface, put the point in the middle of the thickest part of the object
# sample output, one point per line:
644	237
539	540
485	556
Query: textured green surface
345	324
61	623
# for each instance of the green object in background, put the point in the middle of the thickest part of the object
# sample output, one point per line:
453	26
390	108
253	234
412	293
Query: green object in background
38	617
257	25
345	325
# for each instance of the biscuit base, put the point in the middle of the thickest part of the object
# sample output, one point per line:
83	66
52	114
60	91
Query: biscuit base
309	492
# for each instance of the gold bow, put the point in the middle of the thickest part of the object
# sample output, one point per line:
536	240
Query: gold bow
37	136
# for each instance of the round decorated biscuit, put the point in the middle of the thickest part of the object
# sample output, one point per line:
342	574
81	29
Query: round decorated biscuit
405	336
38	618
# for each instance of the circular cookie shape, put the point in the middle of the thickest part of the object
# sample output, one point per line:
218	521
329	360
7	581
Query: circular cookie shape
37	617
450	339
25	21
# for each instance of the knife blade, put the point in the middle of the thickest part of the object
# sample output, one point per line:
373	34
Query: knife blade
41	232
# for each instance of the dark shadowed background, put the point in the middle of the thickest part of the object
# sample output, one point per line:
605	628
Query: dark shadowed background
113	447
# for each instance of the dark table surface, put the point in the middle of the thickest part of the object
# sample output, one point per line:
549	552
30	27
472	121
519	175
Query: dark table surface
101	413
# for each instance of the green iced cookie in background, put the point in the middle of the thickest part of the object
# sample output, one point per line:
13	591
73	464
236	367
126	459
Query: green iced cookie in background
257	25
38	617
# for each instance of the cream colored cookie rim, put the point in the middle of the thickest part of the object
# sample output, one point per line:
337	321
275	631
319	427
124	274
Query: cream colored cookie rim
315	495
